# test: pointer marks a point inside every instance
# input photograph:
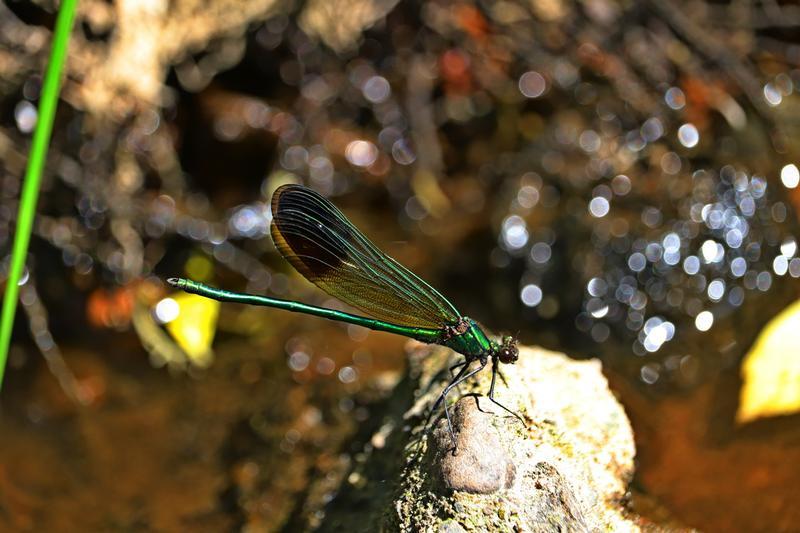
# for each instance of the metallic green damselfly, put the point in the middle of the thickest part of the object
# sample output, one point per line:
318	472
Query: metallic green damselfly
326	248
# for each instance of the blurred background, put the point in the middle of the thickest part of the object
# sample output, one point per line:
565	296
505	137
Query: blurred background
608	179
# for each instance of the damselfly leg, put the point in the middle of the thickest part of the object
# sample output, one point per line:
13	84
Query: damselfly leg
495	371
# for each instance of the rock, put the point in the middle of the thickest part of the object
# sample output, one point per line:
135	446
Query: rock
450	526
568	470
479	463
556	505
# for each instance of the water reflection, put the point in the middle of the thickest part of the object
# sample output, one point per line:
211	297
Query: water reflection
693	257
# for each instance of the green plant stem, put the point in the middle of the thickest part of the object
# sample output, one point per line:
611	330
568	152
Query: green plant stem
33	174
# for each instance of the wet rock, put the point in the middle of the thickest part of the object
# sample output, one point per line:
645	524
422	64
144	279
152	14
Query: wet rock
567	470
478	463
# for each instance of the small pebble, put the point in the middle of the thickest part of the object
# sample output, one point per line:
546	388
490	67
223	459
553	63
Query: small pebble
481	464
450	526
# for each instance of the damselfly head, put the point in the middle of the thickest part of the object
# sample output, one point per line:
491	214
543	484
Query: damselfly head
508	351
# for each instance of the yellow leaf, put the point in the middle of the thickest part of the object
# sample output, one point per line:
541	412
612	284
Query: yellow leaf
194	326
771	370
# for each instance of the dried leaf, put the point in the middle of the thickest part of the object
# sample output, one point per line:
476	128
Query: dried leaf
194	326
771	370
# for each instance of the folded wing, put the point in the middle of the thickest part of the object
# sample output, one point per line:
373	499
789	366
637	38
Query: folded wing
321	244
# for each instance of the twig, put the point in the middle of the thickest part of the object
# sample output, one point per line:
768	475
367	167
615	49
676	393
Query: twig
715	52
